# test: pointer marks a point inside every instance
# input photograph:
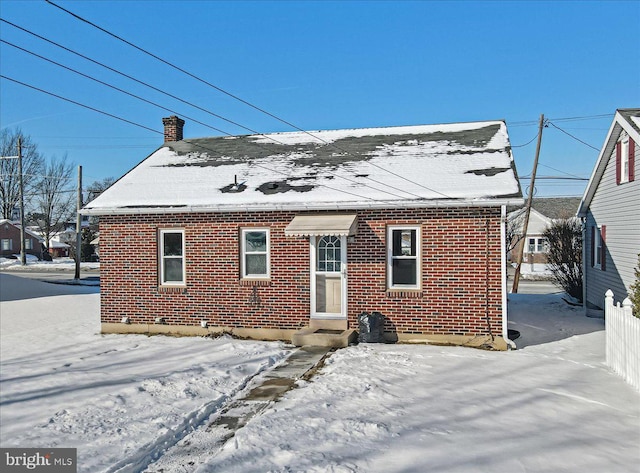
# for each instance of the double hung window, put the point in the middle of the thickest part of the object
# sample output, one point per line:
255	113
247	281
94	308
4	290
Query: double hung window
255	253
172	258
403	264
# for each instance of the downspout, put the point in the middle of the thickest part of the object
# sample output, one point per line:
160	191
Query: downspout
503	265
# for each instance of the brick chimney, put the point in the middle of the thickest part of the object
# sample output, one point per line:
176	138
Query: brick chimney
173	128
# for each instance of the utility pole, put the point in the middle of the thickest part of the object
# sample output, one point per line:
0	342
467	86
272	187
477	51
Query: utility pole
516	276
79	225
23	256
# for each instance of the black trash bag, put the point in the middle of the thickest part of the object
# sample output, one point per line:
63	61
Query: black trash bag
371	327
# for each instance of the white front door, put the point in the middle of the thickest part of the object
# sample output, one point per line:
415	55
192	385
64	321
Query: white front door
328	277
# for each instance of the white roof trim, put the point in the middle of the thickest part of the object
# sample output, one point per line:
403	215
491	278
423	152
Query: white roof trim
511	201
331	225
619	123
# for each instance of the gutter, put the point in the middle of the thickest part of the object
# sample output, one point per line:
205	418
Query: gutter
503	265
297	207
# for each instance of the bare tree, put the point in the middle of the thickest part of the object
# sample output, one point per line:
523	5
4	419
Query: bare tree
514	230
565	254
54	197
98	187
89	233
32	162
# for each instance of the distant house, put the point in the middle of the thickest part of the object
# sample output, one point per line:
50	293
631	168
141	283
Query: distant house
57	249
10	240
610	208
544	211
294	235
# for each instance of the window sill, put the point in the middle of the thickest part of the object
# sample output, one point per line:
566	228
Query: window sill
172	289
405	293
255	282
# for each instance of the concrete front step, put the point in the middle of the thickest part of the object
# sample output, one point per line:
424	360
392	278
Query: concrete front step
321	337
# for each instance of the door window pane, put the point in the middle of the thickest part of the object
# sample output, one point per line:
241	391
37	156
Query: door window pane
329	254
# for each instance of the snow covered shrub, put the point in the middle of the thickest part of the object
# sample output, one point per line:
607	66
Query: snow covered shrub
634	294
565	255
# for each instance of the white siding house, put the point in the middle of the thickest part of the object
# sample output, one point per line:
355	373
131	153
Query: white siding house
610	209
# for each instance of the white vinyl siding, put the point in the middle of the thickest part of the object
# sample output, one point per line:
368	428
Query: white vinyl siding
615	207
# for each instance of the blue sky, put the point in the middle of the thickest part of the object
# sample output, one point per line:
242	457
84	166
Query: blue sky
325	65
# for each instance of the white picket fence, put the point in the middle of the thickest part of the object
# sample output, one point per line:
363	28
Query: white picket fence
623	339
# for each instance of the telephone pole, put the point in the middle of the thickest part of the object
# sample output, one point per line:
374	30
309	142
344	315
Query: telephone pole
516	276
23	256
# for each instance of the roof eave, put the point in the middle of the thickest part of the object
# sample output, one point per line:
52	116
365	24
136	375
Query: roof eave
618	124
299	207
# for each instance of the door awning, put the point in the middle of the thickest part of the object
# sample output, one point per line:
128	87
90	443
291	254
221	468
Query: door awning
324	224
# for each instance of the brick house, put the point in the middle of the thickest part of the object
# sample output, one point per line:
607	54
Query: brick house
292	234
10	240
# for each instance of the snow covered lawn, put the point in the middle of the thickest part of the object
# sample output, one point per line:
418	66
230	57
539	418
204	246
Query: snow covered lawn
552	406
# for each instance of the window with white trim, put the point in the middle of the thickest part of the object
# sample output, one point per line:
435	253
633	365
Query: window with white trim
172	258
624	160
538	245
254	253
403	264
7	244
28	244
597	243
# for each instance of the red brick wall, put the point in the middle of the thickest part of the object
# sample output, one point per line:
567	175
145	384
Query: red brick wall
460	255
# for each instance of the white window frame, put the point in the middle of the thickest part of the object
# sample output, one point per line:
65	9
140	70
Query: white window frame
162	257
391	257
244	253
624	160
6	244
28	244
539	245
597	248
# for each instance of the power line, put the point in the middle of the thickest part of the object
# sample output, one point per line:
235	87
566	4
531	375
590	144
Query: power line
187	141
146	84
575	138
199	108
559	170
527	143
106	84
80	104
235	97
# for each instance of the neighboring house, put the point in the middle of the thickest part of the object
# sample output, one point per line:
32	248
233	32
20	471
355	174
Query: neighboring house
610	208
10	240
96	245
544	211
279	236
58	249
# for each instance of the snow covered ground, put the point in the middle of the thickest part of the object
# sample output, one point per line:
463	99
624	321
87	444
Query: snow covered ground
551	406
64	264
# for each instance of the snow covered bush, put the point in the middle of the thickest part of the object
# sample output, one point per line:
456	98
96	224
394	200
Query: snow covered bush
565	255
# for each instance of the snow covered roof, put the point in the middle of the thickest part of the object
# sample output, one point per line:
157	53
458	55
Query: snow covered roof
428	165
626	119
27	231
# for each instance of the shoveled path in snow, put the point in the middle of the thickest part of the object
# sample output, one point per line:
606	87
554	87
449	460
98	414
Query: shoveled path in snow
202	443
